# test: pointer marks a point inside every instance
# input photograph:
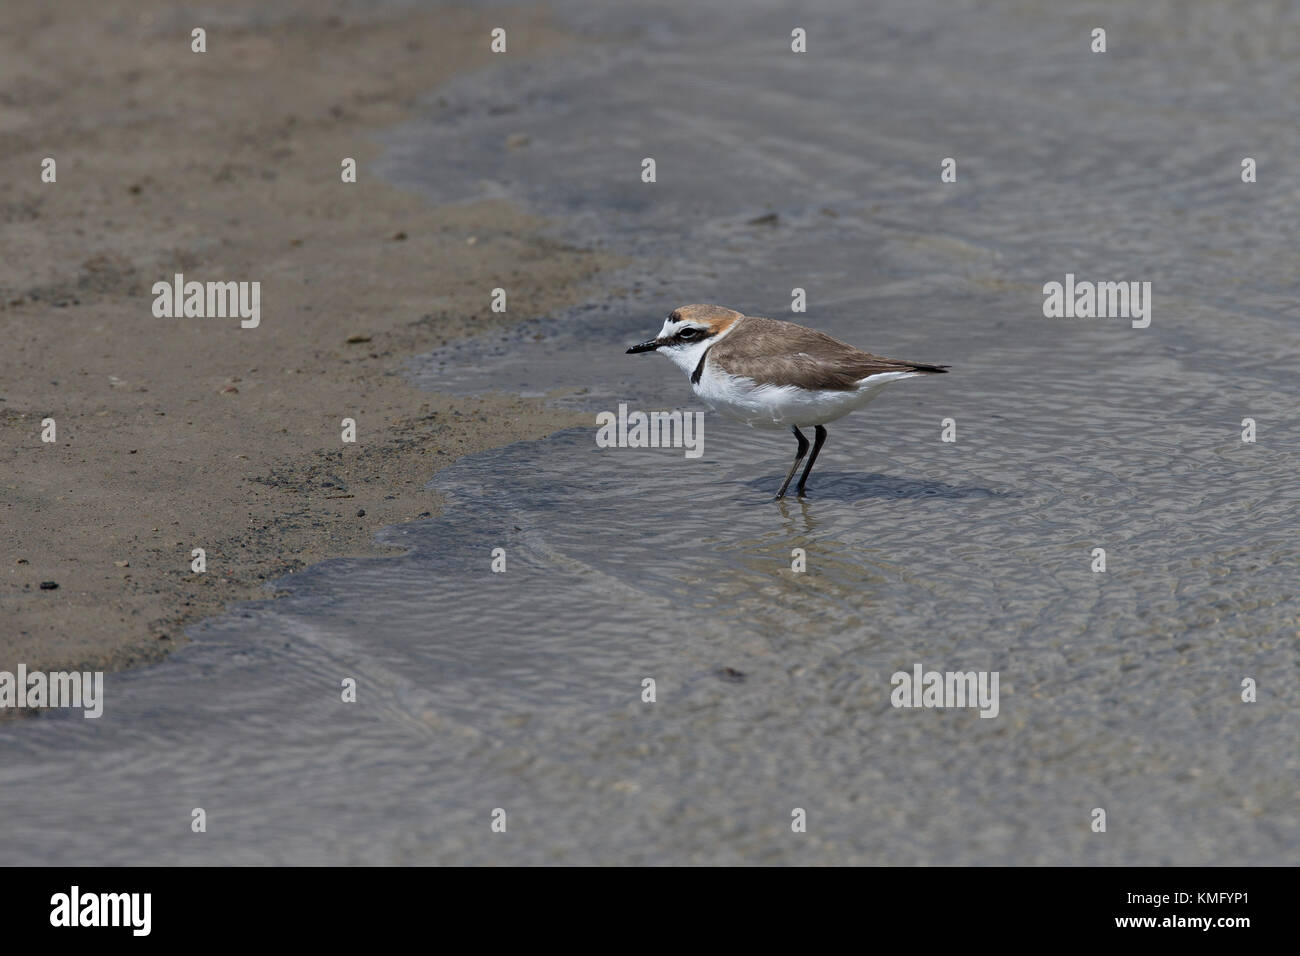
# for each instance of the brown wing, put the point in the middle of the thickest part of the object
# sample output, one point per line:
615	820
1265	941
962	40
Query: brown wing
787	354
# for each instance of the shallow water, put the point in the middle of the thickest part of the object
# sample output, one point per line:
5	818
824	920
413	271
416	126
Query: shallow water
522	690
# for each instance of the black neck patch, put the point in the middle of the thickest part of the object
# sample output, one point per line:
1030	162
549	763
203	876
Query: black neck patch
699	369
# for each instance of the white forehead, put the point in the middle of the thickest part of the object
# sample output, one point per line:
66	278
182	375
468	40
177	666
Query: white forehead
671	328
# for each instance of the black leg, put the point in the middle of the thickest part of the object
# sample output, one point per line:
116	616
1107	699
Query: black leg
817	446
803	450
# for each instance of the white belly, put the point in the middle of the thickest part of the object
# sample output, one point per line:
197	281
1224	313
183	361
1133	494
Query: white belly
780	406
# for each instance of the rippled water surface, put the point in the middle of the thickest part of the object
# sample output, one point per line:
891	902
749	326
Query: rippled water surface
522	690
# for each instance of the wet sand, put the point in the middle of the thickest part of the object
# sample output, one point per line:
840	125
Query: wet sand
175	434
523	689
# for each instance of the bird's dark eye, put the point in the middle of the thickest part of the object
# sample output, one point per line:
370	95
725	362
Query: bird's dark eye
688	334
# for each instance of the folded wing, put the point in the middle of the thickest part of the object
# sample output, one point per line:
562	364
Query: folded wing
782	353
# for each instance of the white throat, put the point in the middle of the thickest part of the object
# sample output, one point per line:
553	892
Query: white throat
687	356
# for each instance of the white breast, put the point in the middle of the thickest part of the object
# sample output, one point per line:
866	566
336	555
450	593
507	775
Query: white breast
780	406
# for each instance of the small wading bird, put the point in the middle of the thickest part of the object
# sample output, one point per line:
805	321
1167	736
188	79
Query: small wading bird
771	374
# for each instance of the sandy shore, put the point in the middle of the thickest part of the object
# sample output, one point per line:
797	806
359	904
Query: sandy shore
175	434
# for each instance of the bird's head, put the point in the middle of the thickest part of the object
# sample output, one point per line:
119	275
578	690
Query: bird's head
688	331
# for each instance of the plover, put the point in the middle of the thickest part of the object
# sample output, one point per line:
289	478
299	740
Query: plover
772	374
